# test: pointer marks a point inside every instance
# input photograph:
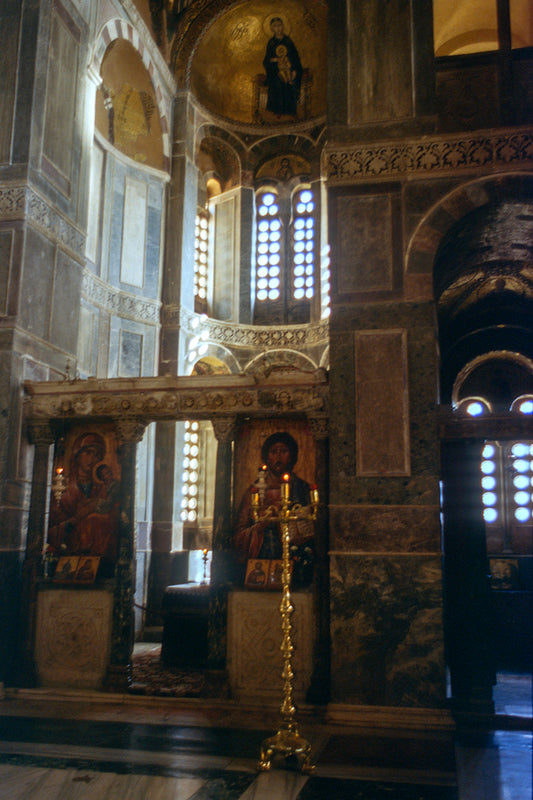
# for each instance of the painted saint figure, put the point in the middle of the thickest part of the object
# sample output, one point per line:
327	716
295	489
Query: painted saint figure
85	518
262	540
283	71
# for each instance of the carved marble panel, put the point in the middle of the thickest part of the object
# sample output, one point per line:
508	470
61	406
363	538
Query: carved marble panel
254	639
73	637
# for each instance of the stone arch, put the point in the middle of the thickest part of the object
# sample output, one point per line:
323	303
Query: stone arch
272	146
279	361
426	239
216	354
223	151
120	29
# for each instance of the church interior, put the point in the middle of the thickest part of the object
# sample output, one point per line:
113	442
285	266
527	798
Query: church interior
266	387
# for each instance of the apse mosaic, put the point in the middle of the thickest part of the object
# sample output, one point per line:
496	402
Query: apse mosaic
263	63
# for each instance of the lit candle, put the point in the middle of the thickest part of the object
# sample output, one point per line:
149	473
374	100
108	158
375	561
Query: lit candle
314	495
254	498
285	487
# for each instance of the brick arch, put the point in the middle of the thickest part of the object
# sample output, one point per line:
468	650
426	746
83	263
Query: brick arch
228	142
427	237
120	29
277	144
222	355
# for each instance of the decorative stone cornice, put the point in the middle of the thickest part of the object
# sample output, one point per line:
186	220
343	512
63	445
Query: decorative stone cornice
174	398
117	302
475	152
256	336
21	202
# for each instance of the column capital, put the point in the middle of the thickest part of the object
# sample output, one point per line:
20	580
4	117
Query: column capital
224	428
319	425
40	432
130	429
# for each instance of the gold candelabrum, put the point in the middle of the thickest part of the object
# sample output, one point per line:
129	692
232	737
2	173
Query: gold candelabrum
287	741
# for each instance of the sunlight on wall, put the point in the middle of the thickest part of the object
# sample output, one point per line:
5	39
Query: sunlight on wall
471	26
464	26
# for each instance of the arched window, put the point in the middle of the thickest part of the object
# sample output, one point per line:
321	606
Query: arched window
201	247
285	255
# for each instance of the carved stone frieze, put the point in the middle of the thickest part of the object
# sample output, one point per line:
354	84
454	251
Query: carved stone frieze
21	202
447	153
119	303
253	336
202	397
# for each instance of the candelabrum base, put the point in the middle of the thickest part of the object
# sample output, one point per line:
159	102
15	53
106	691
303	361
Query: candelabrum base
287	743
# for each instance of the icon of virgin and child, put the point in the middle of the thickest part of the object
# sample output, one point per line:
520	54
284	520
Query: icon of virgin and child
84	521
262	539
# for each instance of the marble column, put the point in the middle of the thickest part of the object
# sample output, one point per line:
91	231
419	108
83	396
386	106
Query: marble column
222	562
130	431
468	613
41	436
319	688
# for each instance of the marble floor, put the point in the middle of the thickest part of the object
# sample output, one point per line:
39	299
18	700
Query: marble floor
89	746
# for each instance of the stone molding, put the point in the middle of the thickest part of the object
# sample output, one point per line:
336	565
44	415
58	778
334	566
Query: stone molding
264	337
480	151
174	398
21	202
119	303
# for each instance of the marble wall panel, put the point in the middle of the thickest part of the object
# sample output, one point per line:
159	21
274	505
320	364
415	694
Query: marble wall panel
6	248
131	229
64	321
130	354
382	405
9	37
223	301
364	244
87	342
386	631
468	97
134	232
385	529
380	79
37	284
60	113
